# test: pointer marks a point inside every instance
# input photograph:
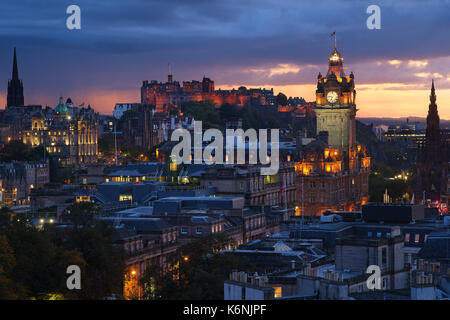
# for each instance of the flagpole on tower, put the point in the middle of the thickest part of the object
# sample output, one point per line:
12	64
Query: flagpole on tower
334	35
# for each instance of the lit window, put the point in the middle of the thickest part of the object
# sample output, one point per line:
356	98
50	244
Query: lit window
277	292
417	238
385	283
125	197
407	237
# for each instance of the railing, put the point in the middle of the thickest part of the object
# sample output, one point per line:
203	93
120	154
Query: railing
185	187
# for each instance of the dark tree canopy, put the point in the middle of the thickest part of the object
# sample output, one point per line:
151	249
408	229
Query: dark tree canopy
18	151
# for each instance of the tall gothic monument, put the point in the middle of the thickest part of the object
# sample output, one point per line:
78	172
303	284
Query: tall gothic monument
335	105
15	87
432	160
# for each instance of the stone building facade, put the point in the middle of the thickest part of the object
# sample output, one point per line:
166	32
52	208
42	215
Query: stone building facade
68	133
333	171
161	95
18	179
257	189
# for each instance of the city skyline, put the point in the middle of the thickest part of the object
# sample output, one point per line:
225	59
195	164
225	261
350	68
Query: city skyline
281	46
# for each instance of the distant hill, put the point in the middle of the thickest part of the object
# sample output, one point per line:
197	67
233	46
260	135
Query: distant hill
396	121
366	137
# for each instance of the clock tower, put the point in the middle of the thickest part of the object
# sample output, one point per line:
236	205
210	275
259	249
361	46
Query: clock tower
335	105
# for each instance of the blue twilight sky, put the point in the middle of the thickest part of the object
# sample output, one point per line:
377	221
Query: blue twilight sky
280	44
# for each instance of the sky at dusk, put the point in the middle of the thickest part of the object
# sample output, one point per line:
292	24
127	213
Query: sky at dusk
256	43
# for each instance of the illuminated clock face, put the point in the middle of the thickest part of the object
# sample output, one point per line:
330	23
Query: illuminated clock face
332	96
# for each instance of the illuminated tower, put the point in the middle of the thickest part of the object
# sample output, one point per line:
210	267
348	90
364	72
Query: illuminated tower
15	87
335	105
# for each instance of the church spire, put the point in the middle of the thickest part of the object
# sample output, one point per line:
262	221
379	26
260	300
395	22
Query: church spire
433	116
433	132
432	158
15	72
15	87
433	93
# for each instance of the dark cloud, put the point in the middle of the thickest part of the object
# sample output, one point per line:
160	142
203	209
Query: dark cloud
123	42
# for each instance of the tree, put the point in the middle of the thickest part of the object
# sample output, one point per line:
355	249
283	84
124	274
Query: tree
40	267
16	150
83	213
377	186
6	216
106	144
204	111
105	262
196	271
173	110
396	189
8	288
33	262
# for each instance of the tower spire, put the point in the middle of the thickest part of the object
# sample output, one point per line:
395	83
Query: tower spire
432	108
15	72
433	130
334	35
15	86
170	77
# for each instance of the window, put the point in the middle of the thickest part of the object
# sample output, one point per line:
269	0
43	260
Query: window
378	234
407	258
199	230
277	292
385	283
426	238
407	237
417	238
369	234
125	197
184	230
383	256
241	186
